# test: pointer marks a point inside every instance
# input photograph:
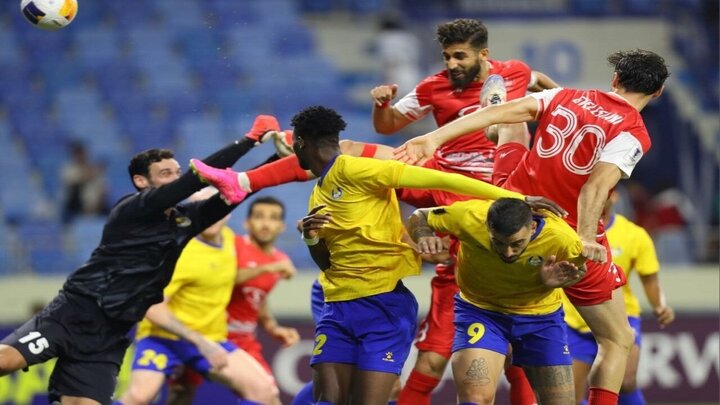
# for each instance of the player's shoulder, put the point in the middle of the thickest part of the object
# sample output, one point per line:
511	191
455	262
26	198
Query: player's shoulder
433	81
510	67
554	227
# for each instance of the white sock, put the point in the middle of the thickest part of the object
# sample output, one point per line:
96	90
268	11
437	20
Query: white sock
244	181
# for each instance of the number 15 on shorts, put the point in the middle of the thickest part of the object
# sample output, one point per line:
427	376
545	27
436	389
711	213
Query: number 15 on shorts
35	342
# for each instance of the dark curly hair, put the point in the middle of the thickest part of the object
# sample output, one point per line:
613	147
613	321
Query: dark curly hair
140	163
507	216
639	71
463	30
318	122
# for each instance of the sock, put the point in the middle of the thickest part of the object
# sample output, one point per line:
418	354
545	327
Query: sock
324	403
304	396
392	402
369	150
521	392
601	396
285	170
583	402
417	389
631	398
247	402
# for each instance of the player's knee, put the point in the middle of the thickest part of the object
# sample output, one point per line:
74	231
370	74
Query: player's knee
480	398
137	396
431	364
622	337
262	391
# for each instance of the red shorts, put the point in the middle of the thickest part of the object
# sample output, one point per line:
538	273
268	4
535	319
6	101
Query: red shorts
600	280
507	159
436	330
252	347
421	198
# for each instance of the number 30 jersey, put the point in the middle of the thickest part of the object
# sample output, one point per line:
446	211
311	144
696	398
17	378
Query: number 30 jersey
576	130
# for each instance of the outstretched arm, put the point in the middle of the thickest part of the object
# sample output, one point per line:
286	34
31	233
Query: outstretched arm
419	177
288	336
166	196
421	148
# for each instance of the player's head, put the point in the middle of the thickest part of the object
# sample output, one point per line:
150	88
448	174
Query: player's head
153	168
213	230
511	227
639	71
464	48
313	128
265	220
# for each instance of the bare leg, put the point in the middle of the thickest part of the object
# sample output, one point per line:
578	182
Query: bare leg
580	374
372	387
65	400
629	383
431	364
144	387
608	323
553	385
247	377
332	382
476	373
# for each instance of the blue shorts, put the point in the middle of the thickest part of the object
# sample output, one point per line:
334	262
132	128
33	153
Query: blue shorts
317	301
373	333
537	340
167	355
584	348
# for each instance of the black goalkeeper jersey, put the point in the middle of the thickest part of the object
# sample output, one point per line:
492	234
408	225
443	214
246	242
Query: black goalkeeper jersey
142	240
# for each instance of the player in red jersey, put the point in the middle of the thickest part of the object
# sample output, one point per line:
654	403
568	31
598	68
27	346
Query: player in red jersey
448	95
586	141
260	267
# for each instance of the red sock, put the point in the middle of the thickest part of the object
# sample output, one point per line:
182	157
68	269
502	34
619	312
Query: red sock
417	389
521	392
601	396
285	170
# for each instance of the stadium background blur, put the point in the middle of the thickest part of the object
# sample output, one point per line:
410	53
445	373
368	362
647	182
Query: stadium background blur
190	75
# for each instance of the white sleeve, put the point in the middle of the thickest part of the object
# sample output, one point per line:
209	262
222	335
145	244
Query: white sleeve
624	151
410	107
544	98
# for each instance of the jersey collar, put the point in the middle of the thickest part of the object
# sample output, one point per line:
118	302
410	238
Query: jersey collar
327	169
540	221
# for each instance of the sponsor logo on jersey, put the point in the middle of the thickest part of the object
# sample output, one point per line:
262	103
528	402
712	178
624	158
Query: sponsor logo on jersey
535	260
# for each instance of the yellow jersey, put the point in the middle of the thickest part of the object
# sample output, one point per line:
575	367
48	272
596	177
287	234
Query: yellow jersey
485	280
634	251
364	237
200	289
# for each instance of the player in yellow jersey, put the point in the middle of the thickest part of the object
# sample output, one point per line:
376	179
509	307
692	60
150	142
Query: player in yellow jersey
189	327
633	250
355	235
509	265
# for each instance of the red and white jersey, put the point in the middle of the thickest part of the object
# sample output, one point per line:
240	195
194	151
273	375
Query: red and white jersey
249	297
472	153
576	129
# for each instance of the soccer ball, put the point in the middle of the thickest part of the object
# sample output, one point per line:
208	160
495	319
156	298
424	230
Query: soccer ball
49	14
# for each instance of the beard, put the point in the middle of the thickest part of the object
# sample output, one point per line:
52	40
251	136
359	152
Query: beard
468	76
